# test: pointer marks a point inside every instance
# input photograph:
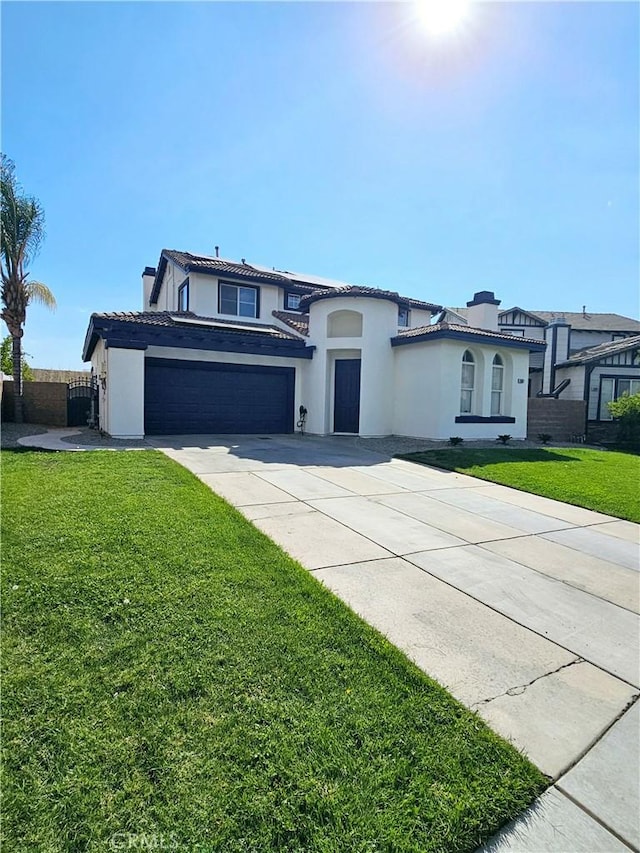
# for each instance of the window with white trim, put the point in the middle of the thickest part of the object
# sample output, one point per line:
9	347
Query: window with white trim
403	317
612	388
497	385
467	383
183	296
292	301
238	300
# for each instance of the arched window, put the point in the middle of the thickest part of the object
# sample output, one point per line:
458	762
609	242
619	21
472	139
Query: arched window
497	385
467	384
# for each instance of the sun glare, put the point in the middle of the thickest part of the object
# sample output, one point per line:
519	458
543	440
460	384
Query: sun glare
441	17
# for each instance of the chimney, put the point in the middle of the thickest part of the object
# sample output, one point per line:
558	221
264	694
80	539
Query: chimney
483	311
148	277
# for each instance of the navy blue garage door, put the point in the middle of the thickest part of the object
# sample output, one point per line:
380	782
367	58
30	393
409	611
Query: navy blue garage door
203	397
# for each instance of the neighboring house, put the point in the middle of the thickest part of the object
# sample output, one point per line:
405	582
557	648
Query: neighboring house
597	353
601	374
228	347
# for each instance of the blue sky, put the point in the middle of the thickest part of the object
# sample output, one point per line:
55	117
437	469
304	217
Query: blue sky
332	138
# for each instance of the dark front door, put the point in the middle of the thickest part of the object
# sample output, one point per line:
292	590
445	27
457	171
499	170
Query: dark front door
346	404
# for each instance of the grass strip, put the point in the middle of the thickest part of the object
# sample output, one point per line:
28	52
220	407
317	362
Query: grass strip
171	674
602	480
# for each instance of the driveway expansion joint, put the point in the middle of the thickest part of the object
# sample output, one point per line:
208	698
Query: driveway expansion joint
595	818
605	731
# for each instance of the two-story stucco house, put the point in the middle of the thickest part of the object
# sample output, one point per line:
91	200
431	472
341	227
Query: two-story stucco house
589	356
228	347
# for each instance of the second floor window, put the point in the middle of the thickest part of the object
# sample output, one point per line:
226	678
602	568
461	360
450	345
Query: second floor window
292	301
183	296
237	300
403	317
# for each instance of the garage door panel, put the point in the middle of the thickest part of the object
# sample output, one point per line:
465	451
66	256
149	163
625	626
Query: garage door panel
201	397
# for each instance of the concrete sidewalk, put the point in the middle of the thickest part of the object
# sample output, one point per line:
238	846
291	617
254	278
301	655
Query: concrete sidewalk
525	608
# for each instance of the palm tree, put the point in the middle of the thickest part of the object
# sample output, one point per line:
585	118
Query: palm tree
22	234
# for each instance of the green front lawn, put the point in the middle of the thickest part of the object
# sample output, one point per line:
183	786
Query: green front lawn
596	479
168	670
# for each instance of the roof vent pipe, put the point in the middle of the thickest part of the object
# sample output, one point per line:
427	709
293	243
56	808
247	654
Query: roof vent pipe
217	248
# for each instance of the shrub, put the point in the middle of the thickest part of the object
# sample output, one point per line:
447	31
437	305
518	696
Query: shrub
626	411
455	439
504	439
544	437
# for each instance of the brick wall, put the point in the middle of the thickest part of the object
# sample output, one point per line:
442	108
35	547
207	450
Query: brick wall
561	419
44	403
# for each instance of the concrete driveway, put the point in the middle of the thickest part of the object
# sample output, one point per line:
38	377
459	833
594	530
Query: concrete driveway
525	608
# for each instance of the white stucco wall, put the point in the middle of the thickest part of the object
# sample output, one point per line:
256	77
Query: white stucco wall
147	287
373	347
203	298
483	316
99	370
122	398
427	390
168	298
418	317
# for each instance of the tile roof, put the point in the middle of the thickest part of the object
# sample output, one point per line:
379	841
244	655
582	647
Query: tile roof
203	263
576	319
313	287
455	329
217	324
594	322
601	351
374	292
299	322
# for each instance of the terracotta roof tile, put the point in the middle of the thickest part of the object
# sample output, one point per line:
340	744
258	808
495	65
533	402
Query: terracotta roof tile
423	331
374	292
203	263
299	322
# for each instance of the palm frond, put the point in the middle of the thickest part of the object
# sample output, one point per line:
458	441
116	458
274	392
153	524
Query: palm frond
36	291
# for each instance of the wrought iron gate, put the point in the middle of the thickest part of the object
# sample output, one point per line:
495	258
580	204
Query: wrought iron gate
82	402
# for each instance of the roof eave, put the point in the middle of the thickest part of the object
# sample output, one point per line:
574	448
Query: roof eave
516	343
401	301
157	282
149	335
90	340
